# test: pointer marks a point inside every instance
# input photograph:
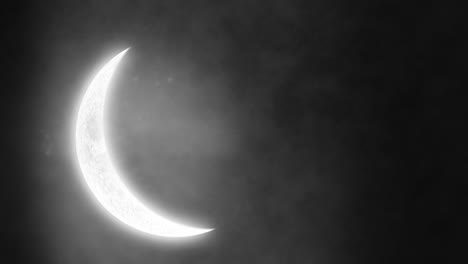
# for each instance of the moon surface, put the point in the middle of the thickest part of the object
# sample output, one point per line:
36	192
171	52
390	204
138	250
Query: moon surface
101	175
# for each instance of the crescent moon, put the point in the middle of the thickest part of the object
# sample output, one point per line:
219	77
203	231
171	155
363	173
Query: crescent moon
99	172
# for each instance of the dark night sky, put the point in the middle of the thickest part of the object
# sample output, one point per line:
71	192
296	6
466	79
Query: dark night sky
304	131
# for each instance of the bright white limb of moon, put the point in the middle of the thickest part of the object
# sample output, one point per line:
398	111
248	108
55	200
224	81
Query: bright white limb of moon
99	172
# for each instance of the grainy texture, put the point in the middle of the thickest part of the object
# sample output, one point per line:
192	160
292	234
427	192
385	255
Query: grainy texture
304	131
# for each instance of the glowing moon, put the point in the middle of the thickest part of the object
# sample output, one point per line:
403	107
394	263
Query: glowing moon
101	175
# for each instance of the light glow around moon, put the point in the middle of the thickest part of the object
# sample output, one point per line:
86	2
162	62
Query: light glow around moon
100	173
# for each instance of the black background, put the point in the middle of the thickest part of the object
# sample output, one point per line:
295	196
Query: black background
347	118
